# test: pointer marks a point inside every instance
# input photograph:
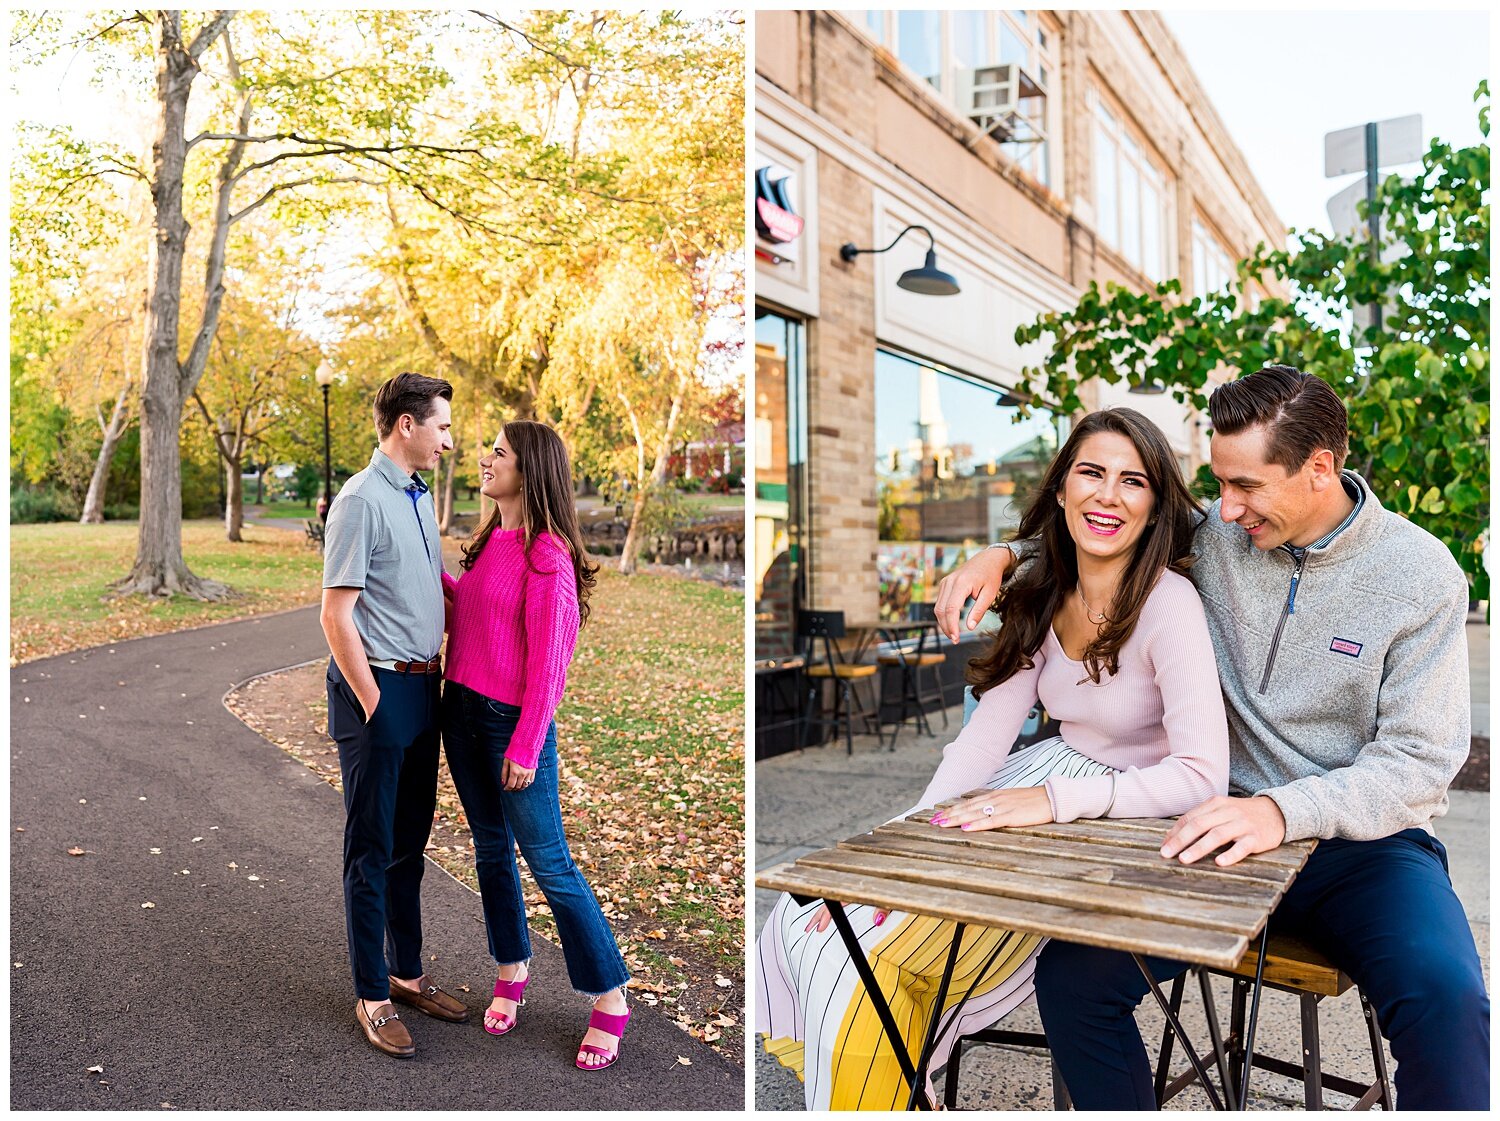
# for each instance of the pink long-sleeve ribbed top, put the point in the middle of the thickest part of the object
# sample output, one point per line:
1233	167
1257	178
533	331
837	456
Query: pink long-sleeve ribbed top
512	630
1159	722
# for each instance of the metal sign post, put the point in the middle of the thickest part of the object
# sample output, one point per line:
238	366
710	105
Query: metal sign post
1399	141
1372	168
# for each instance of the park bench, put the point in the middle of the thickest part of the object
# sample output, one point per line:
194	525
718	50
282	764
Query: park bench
314	530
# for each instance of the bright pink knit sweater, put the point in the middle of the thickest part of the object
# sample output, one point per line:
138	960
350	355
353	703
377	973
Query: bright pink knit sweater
1159	722
512	631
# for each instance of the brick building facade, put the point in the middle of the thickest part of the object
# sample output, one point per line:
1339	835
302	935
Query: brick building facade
888	411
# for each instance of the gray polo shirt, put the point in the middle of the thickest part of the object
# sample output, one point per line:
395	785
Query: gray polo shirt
382	537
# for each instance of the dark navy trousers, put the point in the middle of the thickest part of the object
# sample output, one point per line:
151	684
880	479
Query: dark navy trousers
389	766
1383	911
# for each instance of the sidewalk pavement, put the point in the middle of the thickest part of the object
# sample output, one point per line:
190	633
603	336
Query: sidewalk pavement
812	799
195	948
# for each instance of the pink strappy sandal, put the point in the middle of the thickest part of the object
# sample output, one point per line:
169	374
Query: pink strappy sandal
615	1026
509	990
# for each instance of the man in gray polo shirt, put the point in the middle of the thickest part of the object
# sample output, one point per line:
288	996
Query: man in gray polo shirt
383	618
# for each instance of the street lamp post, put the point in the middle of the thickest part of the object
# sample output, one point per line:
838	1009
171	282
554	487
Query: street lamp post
325	379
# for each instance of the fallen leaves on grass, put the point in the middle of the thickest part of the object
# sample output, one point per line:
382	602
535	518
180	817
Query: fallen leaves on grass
651	781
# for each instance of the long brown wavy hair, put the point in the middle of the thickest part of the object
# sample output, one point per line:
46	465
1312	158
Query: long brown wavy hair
1035	592
546	504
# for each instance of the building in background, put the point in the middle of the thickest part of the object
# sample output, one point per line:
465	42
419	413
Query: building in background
1042	150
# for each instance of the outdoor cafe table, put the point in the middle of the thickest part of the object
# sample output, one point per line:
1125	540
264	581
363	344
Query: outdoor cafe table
1098	882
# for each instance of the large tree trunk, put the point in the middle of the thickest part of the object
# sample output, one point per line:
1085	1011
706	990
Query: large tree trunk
159	568
445	521
646	484
234	500
630	551
119	418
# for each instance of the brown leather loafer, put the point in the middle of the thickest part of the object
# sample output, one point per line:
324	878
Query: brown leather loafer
431	1000
385	1031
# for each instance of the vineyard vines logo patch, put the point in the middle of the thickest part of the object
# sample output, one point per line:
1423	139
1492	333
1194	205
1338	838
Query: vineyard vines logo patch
1344	646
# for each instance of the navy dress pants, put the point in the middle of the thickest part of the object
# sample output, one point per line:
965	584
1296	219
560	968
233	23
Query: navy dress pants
389	766
1383	911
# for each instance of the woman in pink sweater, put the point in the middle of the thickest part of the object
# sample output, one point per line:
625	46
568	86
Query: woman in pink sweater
1111	637
514	617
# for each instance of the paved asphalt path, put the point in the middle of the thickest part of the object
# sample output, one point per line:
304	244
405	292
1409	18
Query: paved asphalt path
233	991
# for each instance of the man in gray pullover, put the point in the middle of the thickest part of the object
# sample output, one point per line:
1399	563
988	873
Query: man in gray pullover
1338	627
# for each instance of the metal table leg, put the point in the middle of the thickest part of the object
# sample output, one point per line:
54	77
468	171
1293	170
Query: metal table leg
916	1075
1221	1055
925	1056
872	989
1260	969
1176	1026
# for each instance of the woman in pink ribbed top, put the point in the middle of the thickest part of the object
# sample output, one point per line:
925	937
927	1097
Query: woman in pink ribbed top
513	620
1112	639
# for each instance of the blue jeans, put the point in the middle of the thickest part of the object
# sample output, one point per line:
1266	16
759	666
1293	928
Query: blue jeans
1383	911
476	732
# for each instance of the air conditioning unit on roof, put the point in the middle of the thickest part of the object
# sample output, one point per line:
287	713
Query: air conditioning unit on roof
991	97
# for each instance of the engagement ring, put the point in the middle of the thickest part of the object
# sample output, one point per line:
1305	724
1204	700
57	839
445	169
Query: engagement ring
989	811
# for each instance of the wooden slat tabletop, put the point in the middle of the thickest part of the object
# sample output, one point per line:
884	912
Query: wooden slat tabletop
1100	883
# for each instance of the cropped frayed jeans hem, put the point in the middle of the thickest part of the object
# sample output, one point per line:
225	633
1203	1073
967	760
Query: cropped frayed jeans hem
476	733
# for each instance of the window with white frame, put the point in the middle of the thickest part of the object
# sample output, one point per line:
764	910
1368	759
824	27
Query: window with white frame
963	56
1130	192
1213	268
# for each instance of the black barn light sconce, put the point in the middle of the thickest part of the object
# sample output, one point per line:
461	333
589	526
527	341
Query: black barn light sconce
929	280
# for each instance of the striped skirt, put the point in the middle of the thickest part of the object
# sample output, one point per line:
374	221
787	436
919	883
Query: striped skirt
813	1011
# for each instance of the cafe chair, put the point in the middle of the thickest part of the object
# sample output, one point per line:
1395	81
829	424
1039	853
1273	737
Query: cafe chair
821	628
778	703
911	658
1292	966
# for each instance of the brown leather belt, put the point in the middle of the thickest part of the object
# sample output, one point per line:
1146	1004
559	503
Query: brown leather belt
434	666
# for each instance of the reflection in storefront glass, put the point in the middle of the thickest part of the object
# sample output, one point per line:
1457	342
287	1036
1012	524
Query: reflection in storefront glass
780	458
954	471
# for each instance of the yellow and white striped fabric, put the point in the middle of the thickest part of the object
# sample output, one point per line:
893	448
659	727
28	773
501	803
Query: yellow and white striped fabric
815	1015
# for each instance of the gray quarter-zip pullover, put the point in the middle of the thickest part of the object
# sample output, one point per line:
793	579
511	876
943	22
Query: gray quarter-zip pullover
1348	695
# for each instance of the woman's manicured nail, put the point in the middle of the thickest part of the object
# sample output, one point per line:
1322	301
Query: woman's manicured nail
879	919
939	819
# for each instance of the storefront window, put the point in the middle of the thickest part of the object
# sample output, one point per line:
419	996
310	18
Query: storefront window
780	474
954	471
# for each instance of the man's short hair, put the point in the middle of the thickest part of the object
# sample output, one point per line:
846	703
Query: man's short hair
407	393
1301	414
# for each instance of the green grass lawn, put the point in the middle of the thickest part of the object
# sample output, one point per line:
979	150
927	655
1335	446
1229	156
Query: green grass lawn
291	509
61	571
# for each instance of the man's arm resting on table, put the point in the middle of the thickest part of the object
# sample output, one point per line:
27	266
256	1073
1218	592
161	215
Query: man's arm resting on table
1246	825
978	578
348	650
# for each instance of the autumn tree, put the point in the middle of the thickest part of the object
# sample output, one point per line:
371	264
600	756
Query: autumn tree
77	290
295	106
253	357
1416	384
